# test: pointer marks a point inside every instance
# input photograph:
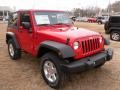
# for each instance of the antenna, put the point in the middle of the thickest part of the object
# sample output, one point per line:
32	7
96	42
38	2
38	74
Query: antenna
96	3
109	7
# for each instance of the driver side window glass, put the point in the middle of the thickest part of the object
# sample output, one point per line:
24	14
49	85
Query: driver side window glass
24	18
13	20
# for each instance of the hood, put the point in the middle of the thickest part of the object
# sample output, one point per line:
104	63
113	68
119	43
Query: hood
72	33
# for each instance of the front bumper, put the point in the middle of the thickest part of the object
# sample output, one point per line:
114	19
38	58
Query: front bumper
88	62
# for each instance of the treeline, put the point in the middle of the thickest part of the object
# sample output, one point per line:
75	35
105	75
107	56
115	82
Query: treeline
115	7
95	11
88	12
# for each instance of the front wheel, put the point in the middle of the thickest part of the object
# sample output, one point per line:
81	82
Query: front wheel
51	70
115	35
13	51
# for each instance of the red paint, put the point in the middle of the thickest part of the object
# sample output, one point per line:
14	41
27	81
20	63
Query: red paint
29	42
92	20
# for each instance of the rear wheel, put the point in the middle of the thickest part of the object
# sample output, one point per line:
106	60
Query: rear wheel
13	51
99	22
51	70
115	35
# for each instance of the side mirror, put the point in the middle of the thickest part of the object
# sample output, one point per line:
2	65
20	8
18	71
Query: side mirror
26	25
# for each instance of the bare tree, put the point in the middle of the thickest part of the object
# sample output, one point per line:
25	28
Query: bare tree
88	12
115	7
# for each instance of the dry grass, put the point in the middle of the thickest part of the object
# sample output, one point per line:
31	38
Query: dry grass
24	74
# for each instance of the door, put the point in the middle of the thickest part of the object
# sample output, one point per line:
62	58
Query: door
26	34
13	23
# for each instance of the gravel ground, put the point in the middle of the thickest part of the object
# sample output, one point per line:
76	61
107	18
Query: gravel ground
24	74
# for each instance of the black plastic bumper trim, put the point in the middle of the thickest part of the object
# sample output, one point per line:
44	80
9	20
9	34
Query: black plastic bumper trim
88	62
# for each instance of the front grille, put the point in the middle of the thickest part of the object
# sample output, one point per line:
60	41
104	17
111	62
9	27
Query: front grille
90	45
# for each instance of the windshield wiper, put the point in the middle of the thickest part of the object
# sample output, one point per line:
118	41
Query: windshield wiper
43	24
62	24
53	24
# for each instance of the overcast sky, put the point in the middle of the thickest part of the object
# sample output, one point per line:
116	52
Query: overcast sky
55	4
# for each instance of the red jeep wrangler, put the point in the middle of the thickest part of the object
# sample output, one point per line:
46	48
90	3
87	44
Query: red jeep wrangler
62	48
92	20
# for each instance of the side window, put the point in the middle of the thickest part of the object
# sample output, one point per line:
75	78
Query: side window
13	20
25	18
115	19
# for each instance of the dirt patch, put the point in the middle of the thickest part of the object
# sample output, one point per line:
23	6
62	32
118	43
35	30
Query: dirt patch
24	74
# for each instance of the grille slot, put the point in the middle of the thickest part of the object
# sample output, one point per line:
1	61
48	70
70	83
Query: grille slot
90	45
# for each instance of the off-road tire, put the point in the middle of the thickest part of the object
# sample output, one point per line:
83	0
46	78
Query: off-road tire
62	76
17	52
113	32
99	22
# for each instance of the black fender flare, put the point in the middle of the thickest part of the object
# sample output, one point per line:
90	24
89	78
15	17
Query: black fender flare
13	37
61	49
114	28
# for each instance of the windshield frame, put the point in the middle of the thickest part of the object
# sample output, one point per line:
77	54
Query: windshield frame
62	12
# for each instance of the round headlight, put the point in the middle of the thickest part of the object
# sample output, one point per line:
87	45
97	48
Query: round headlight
100	39
76	45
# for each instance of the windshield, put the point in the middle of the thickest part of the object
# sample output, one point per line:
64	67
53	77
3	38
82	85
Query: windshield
44	18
